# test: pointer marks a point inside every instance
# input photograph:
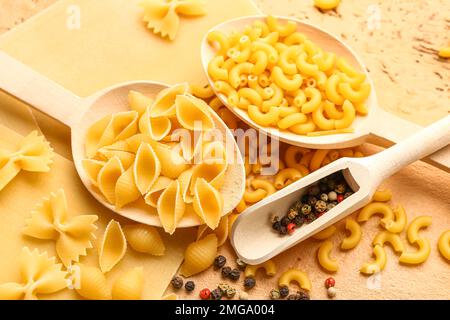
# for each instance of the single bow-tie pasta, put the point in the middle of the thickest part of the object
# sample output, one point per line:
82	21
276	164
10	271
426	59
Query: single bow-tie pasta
126	189
50	221
164	105
111	129
171	207
144	239
139	102
208	203
199	255
92	283
173	164
108	177
129	285
193	113
113	246
156	190
92	168
147	168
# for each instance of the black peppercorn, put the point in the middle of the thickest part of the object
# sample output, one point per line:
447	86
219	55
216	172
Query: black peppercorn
226	272
312	200
189	286
340	188
249	282
219	262
310	218
276	226
331	184
314	190
283	230
302	295
235	274
216	294
285	221
304	198
299	220
177	282
284	292
323	187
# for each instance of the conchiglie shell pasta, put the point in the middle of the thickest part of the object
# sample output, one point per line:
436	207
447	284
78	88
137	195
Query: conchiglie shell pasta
92	283
126	189
113	246
208	203
164	105
129	286
173	163
156	190
185	181
139	102
144	239
108	177
191	110
135	142
221	231
156	128
171	207
126	158
147	168
199	255
92	168
213	173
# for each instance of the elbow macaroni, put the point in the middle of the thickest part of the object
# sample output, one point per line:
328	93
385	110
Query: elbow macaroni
269	267
325	233
379	263
295	275
323	255
422	254
354	238
444	244
376	208
392	238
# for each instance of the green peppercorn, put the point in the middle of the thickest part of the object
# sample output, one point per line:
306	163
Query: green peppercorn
231	292
235	274
216	294
219	262
340	188
320	206
189	286
324	197
312	200
314	190
177	282
274	294
241	264
226	272
306	209
284	291
249	282
332	196
223	287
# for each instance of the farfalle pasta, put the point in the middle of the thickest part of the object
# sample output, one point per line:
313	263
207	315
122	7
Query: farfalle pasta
33	154
39	275
50	221
112	247
163	16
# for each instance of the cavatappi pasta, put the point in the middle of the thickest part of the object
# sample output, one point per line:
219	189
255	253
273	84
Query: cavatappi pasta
286	81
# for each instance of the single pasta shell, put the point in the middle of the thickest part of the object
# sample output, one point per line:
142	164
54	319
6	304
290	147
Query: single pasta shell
171	207
139	102
147	168
156	190
92	168
129	286
191	110
107	179
145	239
113	246
92	283
199	255
208	203
126	189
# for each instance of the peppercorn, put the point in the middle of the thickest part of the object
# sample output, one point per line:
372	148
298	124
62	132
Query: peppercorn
235	274
331	184
298	205
226	272
340	188
347	194
332	196
284	291
330	206
231	292
241	264
276	226
293	297
189	286
216	294
331	292
249	282
177	282
340	198
292	214
219	262
306	209
285	221
283	230
243	295
330	282
314	190
299	220
274	294
290	228
323	186
303	295
320	206
304	198
274	218
312	200
223	287
310	218
324	197
205	294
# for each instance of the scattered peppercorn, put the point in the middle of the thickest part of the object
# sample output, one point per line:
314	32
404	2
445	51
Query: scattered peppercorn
312	200
274	294
340	198
303	295
292	214
330	282
177	282
331	292
331	184
285	221
284	291
226	272
249	282
243	295
274	218
283	230
235	274
241	264
219	262
320	206
299	220
310	218
306	209
205	294
290	228
223	287
323	186
231	292
189	286
276	225
216	294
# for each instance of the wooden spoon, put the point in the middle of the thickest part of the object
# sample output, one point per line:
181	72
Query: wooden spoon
252	236
80	113
379	127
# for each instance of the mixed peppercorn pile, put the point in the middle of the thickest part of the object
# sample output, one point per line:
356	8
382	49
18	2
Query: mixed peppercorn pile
316	201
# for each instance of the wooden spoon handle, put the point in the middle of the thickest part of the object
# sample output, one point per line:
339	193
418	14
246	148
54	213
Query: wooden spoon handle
390	129
39	92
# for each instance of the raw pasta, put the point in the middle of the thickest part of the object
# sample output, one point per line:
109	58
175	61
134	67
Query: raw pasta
221	232
325	233
91	283
39	275
171	207
424	248
145	239
129	285
113	246
444	244
323	255
199	255
269	267
353	239
208	203
50	221
379	263
295	275
33	154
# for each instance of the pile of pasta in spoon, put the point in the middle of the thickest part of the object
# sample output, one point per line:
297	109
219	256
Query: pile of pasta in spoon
134	156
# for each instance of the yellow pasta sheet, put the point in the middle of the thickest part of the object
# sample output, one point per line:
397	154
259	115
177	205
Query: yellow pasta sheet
22	195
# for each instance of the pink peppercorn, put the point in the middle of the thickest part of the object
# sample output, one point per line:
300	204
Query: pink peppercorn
330	282
205	294
290	228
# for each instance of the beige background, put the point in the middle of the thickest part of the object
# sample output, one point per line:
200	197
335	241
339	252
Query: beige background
412	82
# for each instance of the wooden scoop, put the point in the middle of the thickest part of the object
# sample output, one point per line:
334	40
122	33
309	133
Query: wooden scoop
80	113
379	126
252	236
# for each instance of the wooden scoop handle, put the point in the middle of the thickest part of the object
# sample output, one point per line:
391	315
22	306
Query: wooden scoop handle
29	86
